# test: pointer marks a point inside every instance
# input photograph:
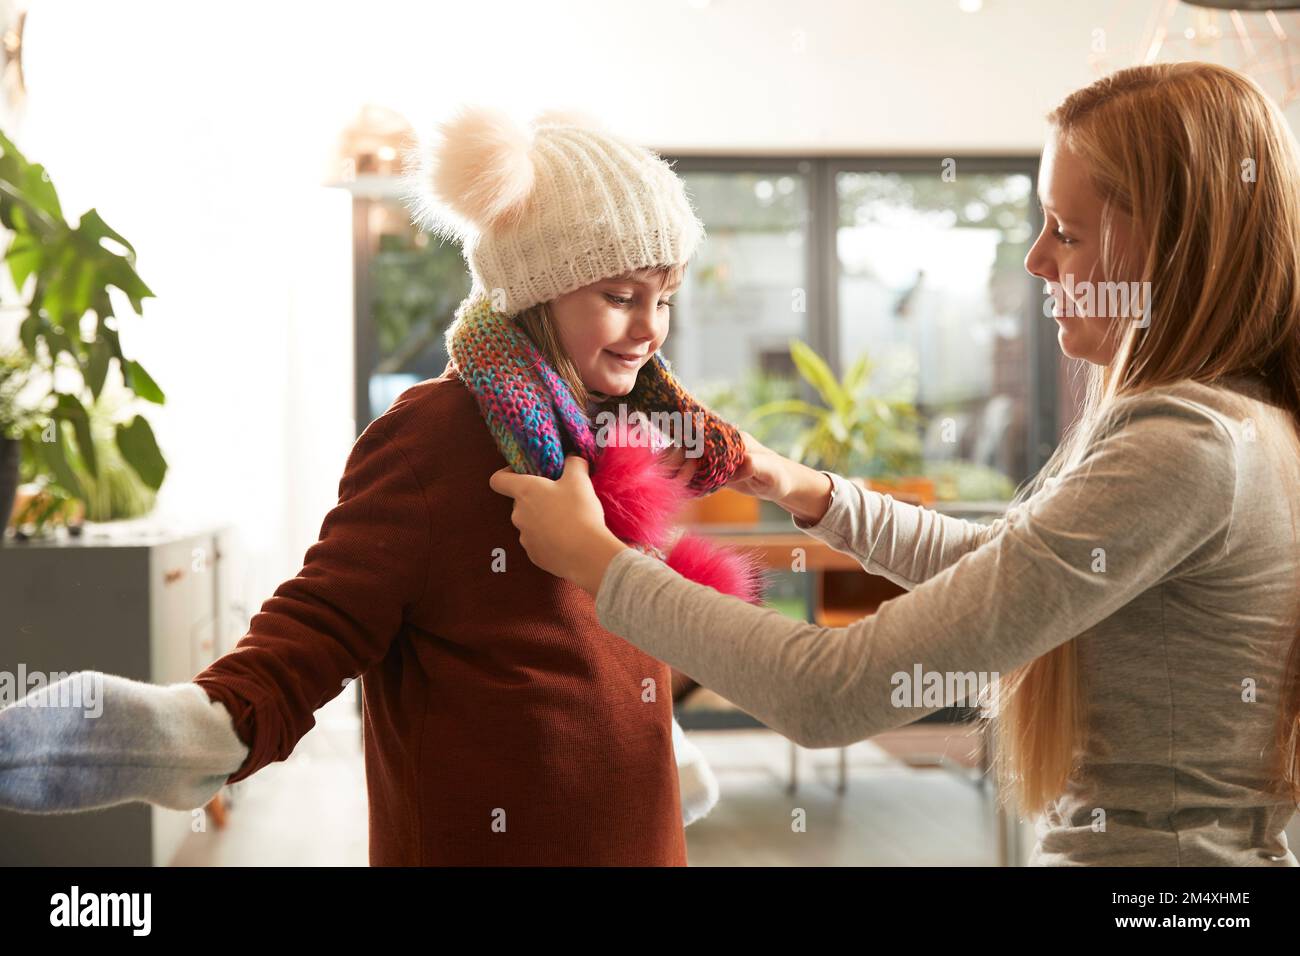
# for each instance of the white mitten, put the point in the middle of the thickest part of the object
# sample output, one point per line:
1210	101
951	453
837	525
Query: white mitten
96	740
699	787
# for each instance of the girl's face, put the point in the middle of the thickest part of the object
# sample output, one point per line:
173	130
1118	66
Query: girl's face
1067	256
611	328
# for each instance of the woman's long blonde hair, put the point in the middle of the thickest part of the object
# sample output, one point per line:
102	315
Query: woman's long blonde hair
1204	168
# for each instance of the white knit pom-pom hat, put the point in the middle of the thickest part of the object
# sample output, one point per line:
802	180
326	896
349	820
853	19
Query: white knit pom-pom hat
548	209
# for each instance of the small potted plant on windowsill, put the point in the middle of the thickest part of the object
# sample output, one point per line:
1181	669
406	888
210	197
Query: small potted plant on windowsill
873	439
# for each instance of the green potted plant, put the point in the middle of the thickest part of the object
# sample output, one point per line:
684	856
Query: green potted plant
853	432
70	337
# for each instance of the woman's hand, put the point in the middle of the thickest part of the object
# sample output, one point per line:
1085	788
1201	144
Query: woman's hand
682	466
561	523
800	490
763	474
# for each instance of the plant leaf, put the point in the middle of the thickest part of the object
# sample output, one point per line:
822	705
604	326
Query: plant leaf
93	227
55	455
857	374
139	381
39	190
70	409
140	450
25	255
817	373
787	406
118	271
97	366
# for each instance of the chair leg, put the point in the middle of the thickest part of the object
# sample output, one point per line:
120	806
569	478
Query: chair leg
843	786
794	768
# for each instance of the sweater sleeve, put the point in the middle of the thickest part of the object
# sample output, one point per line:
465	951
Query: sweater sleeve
339	614
905	543
1152	498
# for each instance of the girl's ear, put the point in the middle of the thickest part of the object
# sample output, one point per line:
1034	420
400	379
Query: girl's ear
473	172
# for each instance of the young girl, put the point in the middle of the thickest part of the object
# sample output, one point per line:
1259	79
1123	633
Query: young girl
1140	599
503	724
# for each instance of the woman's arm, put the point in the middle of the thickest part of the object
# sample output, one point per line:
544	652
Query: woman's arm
905	543
1149	500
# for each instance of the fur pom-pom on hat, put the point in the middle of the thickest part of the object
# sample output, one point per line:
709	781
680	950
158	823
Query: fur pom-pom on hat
474	171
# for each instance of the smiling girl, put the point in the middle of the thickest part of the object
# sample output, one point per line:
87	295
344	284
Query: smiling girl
503	725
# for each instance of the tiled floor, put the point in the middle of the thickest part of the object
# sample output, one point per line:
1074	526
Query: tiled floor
311	809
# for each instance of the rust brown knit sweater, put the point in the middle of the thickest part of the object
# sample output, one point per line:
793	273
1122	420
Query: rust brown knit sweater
503	725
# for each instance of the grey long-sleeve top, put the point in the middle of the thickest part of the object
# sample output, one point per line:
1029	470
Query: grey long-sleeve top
1167	553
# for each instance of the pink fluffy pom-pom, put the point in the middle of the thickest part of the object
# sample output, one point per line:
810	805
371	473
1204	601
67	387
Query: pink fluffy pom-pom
722	568
639	496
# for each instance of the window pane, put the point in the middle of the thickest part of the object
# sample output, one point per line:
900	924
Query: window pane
414	285
742	298
932	288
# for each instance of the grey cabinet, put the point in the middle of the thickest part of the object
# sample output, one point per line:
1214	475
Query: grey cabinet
128	599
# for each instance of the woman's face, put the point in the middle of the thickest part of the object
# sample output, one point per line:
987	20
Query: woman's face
611	328
1067	256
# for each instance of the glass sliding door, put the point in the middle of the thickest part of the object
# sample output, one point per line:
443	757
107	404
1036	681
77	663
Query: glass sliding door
930	285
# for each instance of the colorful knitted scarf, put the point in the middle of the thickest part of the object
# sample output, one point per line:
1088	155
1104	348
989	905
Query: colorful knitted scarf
530	413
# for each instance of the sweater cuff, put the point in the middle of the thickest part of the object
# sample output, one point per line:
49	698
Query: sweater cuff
830	527
243	719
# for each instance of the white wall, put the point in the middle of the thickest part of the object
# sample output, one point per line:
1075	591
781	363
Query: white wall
202	133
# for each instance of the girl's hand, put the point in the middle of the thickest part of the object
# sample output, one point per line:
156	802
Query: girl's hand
561	523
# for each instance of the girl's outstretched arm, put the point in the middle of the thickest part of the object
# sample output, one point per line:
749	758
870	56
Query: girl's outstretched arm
95	740
340	614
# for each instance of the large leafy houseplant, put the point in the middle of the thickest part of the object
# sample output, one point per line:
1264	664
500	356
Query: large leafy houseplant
853	432
70	335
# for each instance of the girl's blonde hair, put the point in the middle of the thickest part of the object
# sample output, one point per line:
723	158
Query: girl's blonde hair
540	327
1203	167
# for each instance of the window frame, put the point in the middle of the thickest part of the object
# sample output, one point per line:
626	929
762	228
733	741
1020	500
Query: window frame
821	264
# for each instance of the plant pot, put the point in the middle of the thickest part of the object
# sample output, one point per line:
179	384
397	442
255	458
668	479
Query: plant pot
10	453
724	506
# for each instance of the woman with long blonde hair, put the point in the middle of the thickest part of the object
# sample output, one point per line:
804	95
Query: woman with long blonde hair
1137	608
